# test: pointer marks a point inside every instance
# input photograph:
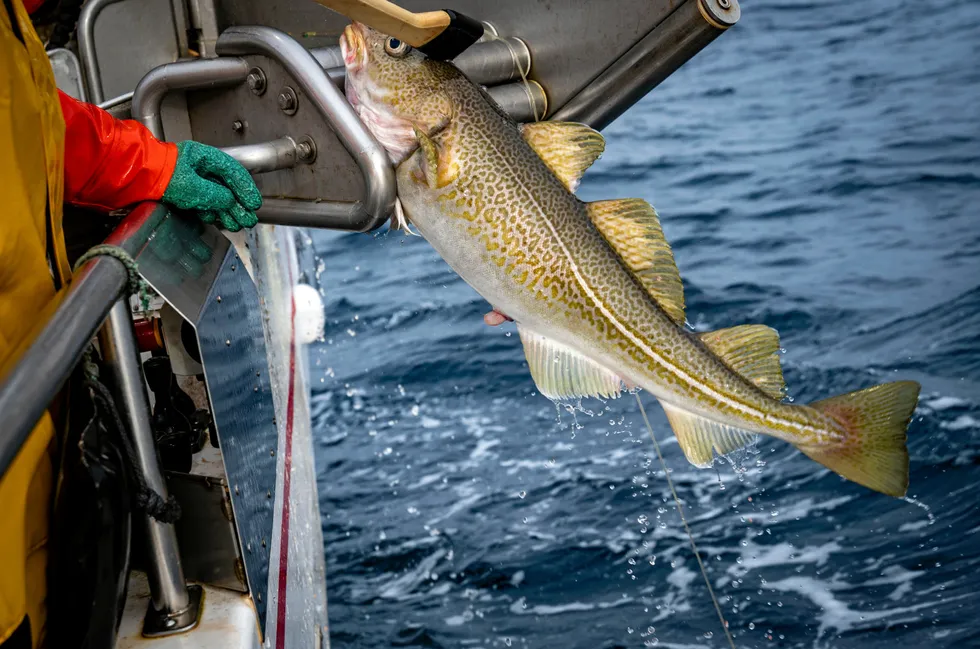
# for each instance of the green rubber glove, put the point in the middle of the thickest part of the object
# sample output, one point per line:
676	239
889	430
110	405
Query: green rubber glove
212	183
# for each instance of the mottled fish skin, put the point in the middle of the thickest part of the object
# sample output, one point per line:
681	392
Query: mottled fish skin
511	229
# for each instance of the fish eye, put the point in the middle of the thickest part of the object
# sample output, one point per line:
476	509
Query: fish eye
397	48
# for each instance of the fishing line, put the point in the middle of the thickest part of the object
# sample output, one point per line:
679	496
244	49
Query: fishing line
680	510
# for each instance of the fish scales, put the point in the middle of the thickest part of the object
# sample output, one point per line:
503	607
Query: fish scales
500	176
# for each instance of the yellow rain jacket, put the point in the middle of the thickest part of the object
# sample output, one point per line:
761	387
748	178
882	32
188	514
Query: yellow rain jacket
31	177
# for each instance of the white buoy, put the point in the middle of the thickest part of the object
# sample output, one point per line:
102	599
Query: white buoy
310	315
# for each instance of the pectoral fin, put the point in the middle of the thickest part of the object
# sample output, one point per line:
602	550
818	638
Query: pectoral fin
562	373
700	438
437	162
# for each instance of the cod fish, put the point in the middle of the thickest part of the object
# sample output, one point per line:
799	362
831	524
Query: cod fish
593	287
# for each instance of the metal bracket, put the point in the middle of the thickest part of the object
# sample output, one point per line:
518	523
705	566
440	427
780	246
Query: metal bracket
159	623
379	178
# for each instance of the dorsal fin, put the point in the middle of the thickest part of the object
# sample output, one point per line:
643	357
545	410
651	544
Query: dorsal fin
632	228
753	352
566	147
560	372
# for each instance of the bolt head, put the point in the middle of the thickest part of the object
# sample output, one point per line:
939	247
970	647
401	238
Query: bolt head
286	101
237	126
256	81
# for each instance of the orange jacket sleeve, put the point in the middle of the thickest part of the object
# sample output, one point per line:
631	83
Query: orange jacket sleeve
111	163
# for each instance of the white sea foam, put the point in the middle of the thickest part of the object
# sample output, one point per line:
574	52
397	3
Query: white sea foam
945	403
962	422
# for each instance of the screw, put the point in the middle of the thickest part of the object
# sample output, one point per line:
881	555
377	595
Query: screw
725	4
237	126
256	81
287	101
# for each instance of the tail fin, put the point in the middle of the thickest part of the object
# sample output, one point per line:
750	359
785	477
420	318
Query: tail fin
873	454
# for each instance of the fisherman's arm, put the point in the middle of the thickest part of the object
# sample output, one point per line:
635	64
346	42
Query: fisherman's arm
111	163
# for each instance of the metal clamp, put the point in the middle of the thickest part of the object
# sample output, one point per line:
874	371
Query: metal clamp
379	177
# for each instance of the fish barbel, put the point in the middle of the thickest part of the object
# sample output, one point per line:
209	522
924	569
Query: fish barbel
593	287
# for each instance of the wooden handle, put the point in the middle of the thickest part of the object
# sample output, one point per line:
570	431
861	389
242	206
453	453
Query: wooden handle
414	29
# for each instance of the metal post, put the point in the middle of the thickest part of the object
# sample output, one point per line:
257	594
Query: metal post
86	47
284	153
173	607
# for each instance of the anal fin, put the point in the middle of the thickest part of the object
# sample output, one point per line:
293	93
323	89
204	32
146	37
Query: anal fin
701	438
560	372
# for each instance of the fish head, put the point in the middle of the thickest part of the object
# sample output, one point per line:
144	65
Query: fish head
395	89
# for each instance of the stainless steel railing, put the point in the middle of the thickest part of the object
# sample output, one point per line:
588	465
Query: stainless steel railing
30	381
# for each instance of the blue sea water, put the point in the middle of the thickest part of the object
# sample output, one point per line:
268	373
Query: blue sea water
817	170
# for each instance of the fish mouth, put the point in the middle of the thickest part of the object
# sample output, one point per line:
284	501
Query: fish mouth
351	46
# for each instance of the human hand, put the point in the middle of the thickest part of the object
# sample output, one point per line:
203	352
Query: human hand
212	184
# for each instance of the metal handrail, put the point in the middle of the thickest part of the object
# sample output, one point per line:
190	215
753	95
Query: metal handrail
30	381
33	380
379	177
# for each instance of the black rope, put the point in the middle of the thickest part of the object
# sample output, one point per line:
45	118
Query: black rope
146	498
136	285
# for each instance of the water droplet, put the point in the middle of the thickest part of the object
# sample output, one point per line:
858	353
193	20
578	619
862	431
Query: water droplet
415	411
522	494
751	626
